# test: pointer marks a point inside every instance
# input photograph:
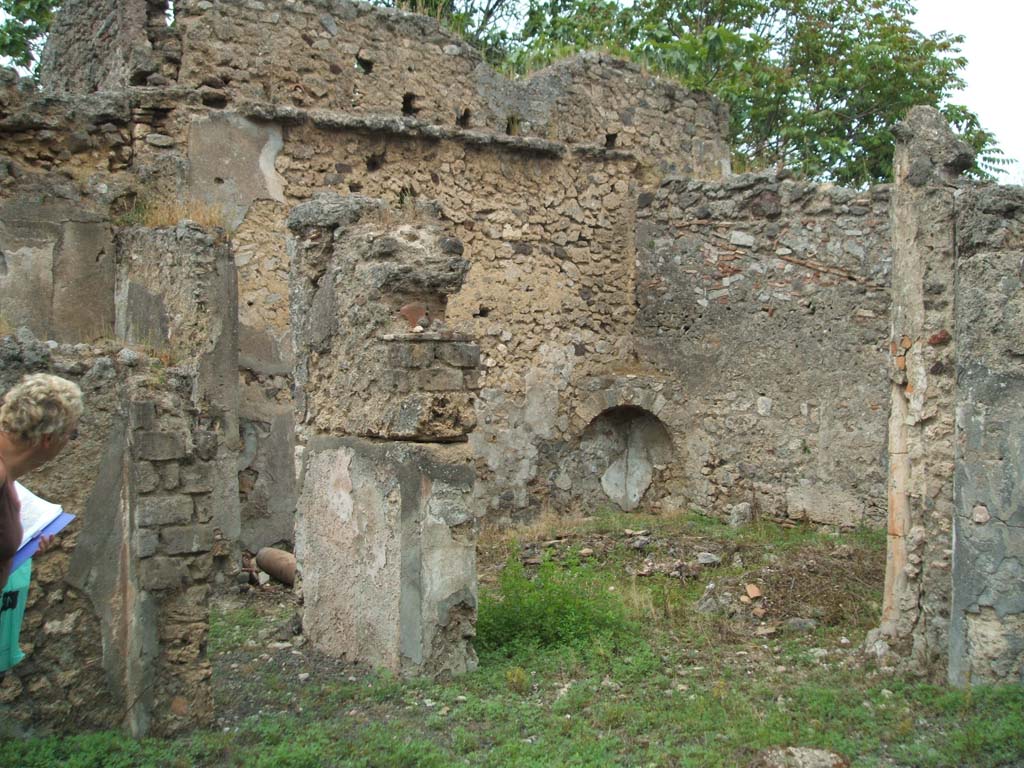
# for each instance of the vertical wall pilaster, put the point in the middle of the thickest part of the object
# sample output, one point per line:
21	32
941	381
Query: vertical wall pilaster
915	614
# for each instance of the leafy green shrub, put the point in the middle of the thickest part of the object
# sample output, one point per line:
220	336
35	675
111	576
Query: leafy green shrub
558	606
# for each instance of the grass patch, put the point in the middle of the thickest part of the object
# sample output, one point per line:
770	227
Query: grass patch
159	213
558	606
573	673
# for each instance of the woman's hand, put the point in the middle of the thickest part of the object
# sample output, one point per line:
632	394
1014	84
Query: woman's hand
46	543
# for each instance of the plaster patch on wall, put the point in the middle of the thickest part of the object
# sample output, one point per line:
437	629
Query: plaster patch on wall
232	163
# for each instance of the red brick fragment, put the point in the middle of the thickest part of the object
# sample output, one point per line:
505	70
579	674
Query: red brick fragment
414	313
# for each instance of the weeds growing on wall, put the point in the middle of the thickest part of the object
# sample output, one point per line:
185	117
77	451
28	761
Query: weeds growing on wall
145	212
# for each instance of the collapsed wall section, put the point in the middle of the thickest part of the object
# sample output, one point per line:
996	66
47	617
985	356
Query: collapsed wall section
102	45
763	300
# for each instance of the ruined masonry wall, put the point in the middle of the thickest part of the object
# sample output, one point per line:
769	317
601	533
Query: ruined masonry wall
154	481
386	528
986	633
100	45
63	621
762	309
361	59
56	253
177	294
125	593
173	522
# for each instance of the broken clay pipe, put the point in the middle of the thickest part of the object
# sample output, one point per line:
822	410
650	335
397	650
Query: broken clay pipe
278	564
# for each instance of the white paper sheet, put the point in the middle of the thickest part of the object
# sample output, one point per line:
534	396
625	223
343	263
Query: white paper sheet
36	513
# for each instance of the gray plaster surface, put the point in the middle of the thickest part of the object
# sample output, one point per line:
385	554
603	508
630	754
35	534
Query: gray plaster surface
231	163
388	575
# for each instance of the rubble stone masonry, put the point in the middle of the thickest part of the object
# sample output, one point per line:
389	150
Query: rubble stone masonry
622	323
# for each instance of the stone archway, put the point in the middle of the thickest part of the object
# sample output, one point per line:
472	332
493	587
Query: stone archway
626	446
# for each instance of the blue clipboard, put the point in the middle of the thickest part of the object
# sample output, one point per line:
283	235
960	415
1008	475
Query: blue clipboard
32	546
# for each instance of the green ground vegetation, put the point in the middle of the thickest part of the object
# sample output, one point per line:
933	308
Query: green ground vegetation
584	663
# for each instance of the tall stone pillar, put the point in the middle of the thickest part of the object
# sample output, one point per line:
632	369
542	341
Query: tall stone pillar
386	530
915	613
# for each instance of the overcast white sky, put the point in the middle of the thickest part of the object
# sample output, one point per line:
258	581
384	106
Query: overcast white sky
993	48
992	29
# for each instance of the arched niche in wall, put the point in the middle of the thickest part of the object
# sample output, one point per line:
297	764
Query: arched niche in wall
626	447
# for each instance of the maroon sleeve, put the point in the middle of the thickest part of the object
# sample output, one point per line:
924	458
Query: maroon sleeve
10	526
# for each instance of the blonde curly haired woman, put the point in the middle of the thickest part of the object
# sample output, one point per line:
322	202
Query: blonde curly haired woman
38	418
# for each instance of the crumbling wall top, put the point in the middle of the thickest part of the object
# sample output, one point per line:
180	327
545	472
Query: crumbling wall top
353	58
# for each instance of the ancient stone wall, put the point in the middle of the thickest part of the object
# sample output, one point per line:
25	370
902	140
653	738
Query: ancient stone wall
115	630
177	294
762	306
952	602
176	521
59	158
363	60
64	620
986	632
620	327
915	612
101	45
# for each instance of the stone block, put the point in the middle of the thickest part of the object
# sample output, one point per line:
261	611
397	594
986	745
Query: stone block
146	541
196	478
142	415
154	511
159	446
204	508
410	354
206	444
159	573
440	379
459	354
170	475
186	539
425	416
399	380
201	568
147	479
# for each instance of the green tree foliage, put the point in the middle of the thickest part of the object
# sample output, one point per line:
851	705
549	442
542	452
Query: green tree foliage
23	32
812	85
